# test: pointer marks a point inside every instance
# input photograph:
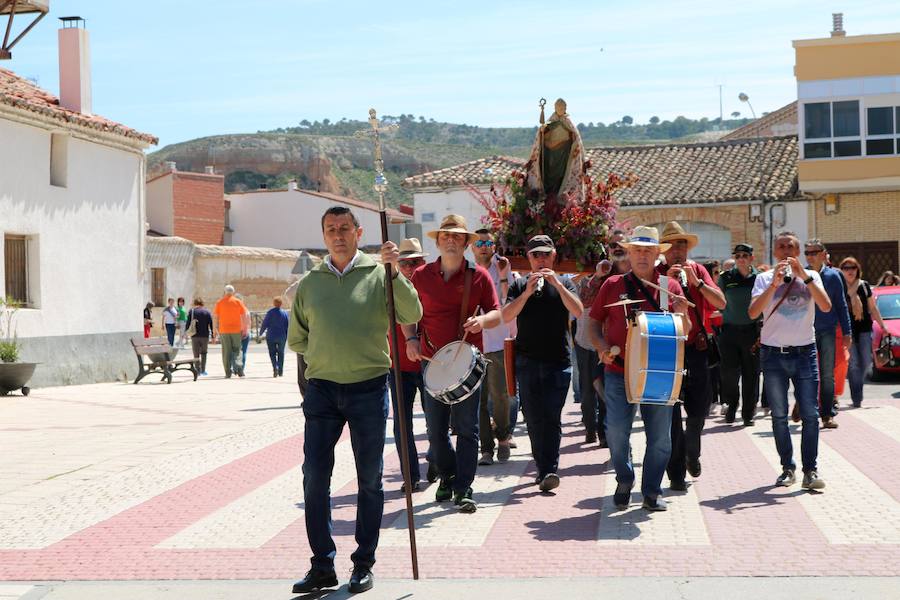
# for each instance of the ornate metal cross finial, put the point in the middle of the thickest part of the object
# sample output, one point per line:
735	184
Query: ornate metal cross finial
375	132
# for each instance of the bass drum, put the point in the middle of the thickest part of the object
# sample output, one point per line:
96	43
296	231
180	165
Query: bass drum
654	358
454	372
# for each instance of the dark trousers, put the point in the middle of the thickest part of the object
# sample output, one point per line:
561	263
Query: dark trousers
327	406
825	347
543	386
200	348
276	353
411	383
593	407
739	362
461	463
170	333
686	436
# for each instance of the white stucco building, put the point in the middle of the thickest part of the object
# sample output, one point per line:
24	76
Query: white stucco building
72	221
290	218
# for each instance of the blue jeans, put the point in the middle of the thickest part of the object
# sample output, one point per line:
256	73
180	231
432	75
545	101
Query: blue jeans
327	406
276	353
657	429
860	361
543	386
825	342
460	464
245	343
412	383
170	333
800	367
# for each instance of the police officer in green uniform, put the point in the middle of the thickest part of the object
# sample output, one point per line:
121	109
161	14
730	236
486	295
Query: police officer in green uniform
737	343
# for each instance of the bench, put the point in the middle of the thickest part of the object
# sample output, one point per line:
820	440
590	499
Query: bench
160	357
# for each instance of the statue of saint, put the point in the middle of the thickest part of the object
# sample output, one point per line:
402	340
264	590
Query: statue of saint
556	165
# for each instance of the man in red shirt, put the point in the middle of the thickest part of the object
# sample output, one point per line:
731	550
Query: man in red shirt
700	289
608	329
441	287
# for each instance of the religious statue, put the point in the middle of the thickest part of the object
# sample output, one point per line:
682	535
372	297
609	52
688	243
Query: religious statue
557	165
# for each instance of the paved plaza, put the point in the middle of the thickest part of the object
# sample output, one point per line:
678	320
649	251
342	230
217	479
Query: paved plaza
201	481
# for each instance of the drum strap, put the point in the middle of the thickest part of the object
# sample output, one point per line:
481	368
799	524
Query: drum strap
630	281
464	307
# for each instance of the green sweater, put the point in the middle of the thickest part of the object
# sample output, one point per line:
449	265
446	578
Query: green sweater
340	324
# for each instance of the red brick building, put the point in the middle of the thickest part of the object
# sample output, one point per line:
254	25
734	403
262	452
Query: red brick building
188	205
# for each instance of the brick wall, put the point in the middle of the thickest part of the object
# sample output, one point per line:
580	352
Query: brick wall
199	207
861	217
735	218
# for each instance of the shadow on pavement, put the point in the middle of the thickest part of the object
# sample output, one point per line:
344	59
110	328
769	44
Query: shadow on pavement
760	497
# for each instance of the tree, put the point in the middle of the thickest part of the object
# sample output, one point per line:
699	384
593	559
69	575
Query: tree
735	115
654	120
305	123
627	120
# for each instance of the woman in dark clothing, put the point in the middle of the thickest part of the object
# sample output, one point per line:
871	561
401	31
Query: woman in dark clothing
202	332
862	312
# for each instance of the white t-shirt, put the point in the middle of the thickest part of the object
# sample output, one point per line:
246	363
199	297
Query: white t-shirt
170	315
793	324
493	338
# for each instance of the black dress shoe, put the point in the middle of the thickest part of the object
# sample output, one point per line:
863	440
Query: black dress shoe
678	486
361	580
433	473
315	580
693	467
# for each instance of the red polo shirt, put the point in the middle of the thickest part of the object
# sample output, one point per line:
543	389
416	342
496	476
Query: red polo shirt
406	365
613	318
696	296
441	302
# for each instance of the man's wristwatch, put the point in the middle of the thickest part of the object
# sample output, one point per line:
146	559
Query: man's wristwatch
808	280
412	337
700	284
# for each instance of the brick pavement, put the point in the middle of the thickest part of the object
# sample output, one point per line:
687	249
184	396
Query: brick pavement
201	481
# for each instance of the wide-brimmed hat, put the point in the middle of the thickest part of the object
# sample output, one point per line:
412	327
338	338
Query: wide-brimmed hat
645	236
673	231
540	243
411	248
454	224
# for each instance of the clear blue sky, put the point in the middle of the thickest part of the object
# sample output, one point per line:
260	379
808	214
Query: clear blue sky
185	69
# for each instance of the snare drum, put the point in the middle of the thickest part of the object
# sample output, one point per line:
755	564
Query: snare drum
454	372
654	358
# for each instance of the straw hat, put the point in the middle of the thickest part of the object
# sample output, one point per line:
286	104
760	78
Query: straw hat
645	236
673	231
454	224
411	248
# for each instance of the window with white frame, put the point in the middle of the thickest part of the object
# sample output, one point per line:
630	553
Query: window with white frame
882	130
831	129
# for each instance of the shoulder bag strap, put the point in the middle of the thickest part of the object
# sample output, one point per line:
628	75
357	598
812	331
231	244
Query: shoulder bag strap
790	286
464	307
643	289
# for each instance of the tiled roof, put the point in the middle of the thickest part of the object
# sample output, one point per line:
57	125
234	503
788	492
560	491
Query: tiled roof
20	93
779	122
667	174
249	252
391	212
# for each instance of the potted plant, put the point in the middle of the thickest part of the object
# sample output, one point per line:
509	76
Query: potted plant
14	375
579	229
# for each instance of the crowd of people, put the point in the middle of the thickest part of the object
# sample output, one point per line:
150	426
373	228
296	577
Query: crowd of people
789	323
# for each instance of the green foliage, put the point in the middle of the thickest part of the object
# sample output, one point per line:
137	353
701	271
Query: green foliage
9	352
9	344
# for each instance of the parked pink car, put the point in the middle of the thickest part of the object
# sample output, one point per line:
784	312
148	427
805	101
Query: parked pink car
888	301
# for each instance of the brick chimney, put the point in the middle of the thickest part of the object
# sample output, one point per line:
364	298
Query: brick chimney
74	66
837	25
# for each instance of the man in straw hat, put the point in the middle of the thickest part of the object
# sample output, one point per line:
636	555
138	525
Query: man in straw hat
411	258
608	329
338	323
458	301
542	305
700	289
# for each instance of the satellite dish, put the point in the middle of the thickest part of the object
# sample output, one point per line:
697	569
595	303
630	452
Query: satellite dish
36	8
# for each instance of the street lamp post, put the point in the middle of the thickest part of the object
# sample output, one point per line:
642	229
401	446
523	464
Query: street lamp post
767	226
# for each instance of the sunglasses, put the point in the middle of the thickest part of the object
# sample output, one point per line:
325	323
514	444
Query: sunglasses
540	254
412	262
741	255
812	252
848	268
615	246
484	243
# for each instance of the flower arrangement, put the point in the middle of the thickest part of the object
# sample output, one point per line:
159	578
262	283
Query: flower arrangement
9	342
579	230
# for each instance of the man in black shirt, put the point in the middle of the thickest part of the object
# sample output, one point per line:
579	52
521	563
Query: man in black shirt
542	305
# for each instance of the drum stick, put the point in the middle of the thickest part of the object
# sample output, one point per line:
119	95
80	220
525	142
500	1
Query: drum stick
682	298
465	333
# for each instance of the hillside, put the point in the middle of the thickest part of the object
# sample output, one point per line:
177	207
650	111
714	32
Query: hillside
326	156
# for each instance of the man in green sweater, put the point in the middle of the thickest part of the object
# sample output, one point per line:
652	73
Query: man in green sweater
339	323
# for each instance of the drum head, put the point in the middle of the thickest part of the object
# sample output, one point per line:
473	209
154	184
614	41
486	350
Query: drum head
448	367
